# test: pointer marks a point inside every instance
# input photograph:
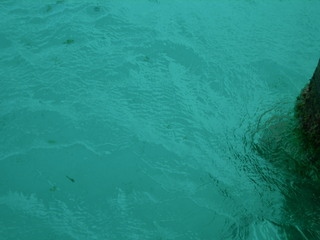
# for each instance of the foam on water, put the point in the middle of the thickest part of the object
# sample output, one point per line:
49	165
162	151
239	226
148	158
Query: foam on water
147	119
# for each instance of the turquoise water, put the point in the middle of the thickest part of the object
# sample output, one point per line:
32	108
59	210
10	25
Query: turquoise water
154	119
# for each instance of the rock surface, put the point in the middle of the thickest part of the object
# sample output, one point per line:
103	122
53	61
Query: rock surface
308	113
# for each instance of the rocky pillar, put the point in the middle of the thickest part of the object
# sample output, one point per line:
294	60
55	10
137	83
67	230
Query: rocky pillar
308	112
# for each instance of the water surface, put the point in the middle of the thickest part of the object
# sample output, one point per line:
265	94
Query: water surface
152	119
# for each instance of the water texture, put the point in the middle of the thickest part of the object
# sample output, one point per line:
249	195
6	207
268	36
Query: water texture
154	119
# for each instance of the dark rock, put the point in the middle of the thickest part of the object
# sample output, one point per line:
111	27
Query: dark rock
308	112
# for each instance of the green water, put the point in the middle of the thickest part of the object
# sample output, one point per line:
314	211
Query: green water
154	119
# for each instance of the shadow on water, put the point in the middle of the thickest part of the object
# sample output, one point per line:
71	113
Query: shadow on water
276	138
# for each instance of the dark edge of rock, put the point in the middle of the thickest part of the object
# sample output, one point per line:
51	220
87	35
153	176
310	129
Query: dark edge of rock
307	111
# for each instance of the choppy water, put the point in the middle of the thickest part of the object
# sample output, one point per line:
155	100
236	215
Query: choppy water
152	119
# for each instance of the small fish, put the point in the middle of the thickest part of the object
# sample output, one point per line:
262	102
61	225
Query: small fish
71	179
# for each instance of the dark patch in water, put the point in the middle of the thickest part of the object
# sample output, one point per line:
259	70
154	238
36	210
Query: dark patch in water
53	189
68	41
